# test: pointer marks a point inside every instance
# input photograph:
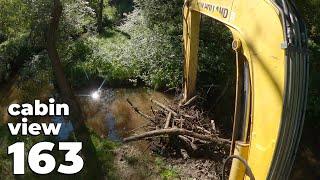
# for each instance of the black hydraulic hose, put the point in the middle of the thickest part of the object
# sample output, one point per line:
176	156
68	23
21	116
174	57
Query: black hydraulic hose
248	169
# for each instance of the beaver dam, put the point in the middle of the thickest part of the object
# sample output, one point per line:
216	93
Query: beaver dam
157	135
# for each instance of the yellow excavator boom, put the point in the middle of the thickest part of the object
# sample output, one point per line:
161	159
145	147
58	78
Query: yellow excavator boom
270	42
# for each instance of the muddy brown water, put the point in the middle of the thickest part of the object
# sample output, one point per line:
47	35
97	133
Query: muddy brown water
111	115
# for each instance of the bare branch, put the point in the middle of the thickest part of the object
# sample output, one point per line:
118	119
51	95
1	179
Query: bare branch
177	131
139	112
168	120
164	107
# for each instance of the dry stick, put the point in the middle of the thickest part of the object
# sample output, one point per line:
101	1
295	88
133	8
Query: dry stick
187	141
168	120
184	122
152	111
181	123
195	139
149	145
166	100
164	107
188	116
213	126
177	131
173	123
204	130
189	101
139	112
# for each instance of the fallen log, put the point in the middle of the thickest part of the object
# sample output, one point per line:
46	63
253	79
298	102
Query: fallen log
177	131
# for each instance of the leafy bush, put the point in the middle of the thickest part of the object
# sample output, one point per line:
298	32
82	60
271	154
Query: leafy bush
12	53
134	51
161	15
104	149
311	16
36	71
78	17
13	20
216	58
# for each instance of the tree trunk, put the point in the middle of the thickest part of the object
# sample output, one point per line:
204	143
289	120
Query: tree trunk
99	16
77	117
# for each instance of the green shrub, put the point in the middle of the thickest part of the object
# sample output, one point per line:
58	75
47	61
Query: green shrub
13	52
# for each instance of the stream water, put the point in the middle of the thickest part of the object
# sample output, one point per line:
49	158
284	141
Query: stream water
111	115
112	130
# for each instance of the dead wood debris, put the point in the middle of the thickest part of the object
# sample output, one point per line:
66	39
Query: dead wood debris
183	121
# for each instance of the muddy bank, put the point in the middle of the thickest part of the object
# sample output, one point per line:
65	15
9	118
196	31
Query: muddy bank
136	164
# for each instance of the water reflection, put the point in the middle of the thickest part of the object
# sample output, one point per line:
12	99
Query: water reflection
111	125
66	128
113	117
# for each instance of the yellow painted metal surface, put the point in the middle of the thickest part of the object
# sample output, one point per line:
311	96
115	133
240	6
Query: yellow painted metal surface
258	26
238	169
191	25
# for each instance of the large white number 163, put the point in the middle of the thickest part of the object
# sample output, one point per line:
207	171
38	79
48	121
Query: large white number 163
44	163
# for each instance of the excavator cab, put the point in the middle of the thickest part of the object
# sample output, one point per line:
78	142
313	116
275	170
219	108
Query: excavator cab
270	42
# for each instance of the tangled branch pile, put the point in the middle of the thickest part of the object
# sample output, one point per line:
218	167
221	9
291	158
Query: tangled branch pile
184	122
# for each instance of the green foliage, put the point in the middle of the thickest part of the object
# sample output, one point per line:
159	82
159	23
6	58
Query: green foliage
216	57
146	46
169	174
78	18
149	48
165	171
12	53
6	140
313	110
104	150
132	160
158	60
36	71
134	51
310	11
162	15
311	15
103	58
110	14
123	6
14	17
6	163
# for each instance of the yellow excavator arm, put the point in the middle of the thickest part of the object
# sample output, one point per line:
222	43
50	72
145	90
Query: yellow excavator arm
272	73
